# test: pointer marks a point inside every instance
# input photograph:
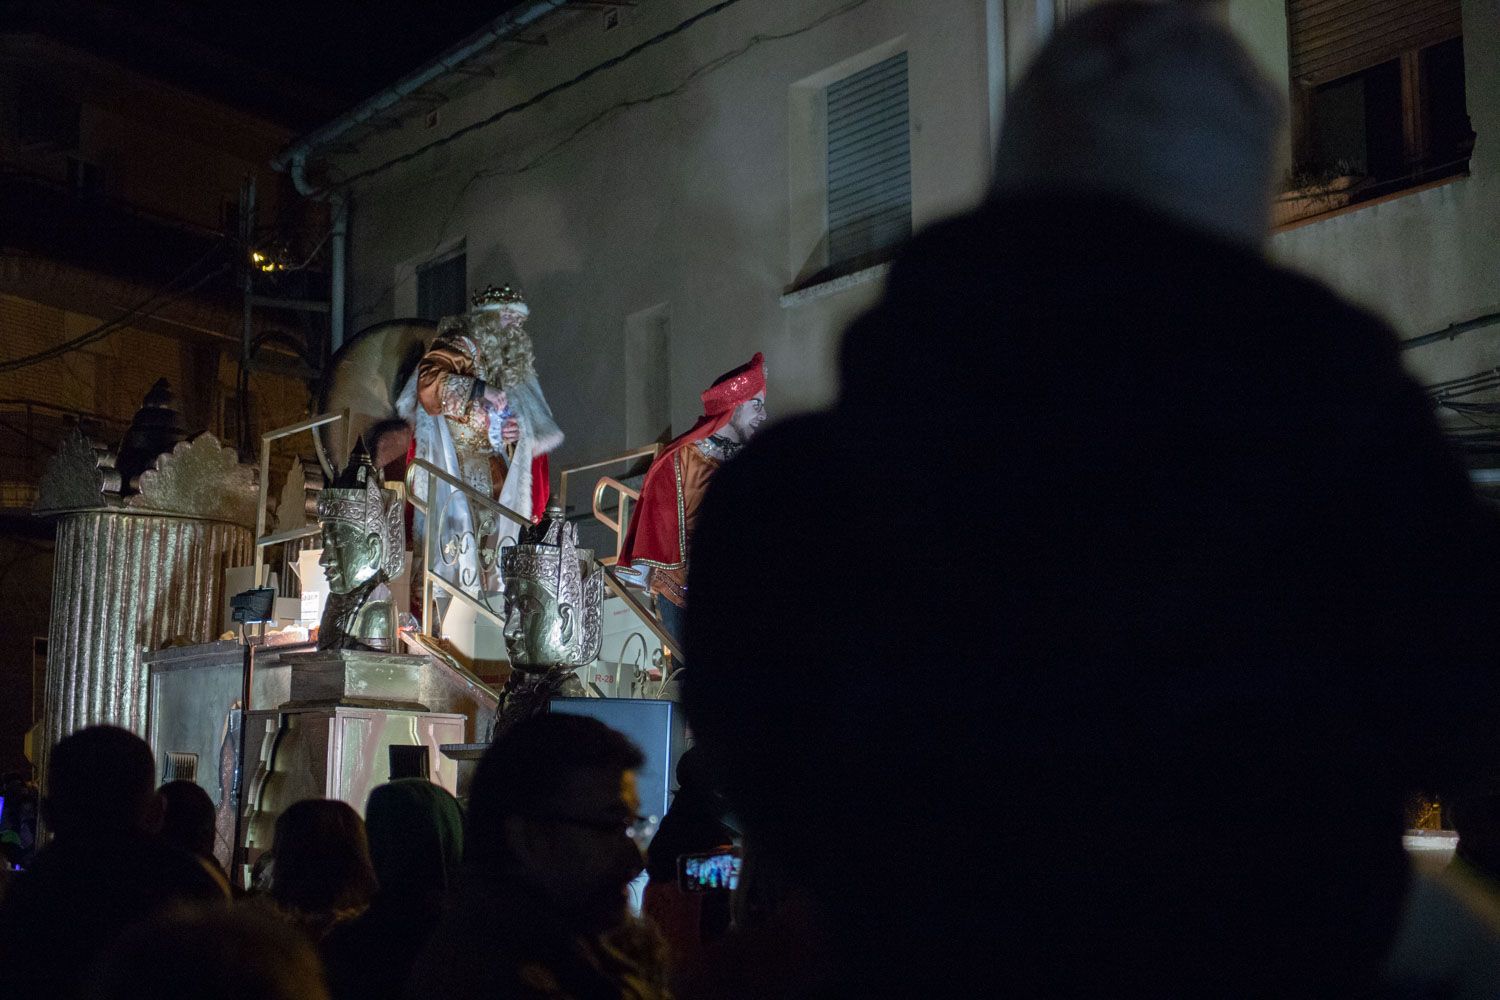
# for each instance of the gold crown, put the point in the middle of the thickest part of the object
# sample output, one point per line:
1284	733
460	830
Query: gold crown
497	298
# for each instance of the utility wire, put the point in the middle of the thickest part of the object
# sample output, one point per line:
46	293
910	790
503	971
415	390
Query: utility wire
148	306
687	81
538	98
718	62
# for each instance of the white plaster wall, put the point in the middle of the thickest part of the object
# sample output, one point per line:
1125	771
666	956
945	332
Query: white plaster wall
681	201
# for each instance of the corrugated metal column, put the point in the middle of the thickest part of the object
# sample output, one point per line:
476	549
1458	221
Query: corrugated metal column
124	582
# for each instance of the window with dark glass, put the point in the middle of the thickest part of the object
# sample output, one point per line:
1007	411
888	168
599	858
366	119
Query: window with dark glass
441	287
1377	94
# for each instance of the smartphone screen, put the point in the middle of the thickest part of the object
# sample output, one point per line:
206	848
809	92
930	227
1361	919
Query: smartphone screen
709	872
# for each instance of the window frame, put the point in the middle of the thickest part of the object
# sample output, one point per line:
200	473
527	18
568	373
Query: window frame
459	253
808	261
1307	194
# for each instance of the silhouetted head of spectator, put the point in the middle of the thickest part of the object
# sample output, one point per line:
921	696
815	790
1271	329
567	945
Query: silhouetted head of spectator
554	806
322	859
693	773
1155	102
211	955
188	818
416	832
698	796
695	821
16	789
101	781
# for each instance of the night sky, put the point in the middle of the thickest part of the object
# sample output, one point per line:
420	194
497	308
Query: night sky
299	62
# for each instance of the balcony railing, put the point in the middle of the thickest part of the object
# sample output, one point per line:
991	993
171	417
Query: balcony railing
477	543
624	494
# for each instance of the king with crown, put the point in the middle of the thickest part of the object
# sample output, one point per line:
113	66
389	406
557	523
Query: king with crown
480	416
661	525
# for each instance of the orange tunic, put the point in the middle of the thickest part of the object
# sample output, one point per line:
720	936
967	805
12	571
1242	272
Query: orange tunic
694	468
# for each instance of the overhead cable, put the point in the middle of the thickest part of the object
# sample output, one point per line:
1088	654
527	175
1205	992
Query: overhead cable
538	98
147	307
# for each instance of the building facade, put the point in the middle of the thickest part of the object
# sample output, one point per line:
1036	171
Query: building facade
665	215
677	184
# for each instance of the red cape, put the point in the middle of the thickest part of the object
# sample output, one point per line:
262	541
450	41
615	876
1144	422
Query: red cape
541	486
655	536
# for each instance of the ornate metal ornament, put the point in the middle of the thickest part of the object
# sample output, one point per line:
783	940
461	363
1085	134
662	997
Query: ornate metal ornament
154	471
364	546
199	478
80	476
552	601
137	563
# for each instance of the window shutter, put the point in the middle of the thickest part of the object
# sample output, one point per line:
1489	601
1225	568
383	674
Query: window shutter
869	162
1330	39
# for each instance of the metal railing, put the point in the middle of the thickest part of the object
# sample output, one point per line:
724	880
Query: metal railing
484	514
621	521
264	541
622	508
646	451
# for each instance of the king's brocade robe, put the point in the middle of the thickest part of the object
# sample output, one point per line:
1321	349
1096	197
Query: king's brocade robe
449	384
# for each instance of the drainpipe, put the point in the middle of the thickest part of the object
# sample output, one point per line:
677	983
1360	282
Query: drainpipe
338	239
997	68
338	250
293	160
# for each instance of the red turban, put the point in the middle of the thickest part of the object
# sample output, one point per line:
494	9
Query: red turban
655	536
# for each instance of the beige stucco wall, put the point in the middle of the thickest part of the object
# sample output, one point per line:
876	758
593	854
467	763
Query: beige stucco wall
685	201
690	200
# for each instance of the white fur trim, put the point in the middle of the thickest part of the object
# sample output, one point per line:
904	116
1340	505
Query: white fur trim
520	308
406	403
531	409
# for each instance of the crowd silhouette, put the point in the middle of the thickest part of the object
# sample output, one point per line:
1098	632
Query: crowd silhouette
1162	594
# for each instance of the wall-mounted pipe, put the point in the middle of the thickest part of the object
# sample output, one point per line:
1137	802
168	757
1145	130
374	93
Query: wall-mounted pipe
293	159
1453	330
338	279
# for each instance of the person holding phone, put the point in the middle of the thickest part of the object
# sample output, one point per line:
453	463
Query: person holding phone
694	825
